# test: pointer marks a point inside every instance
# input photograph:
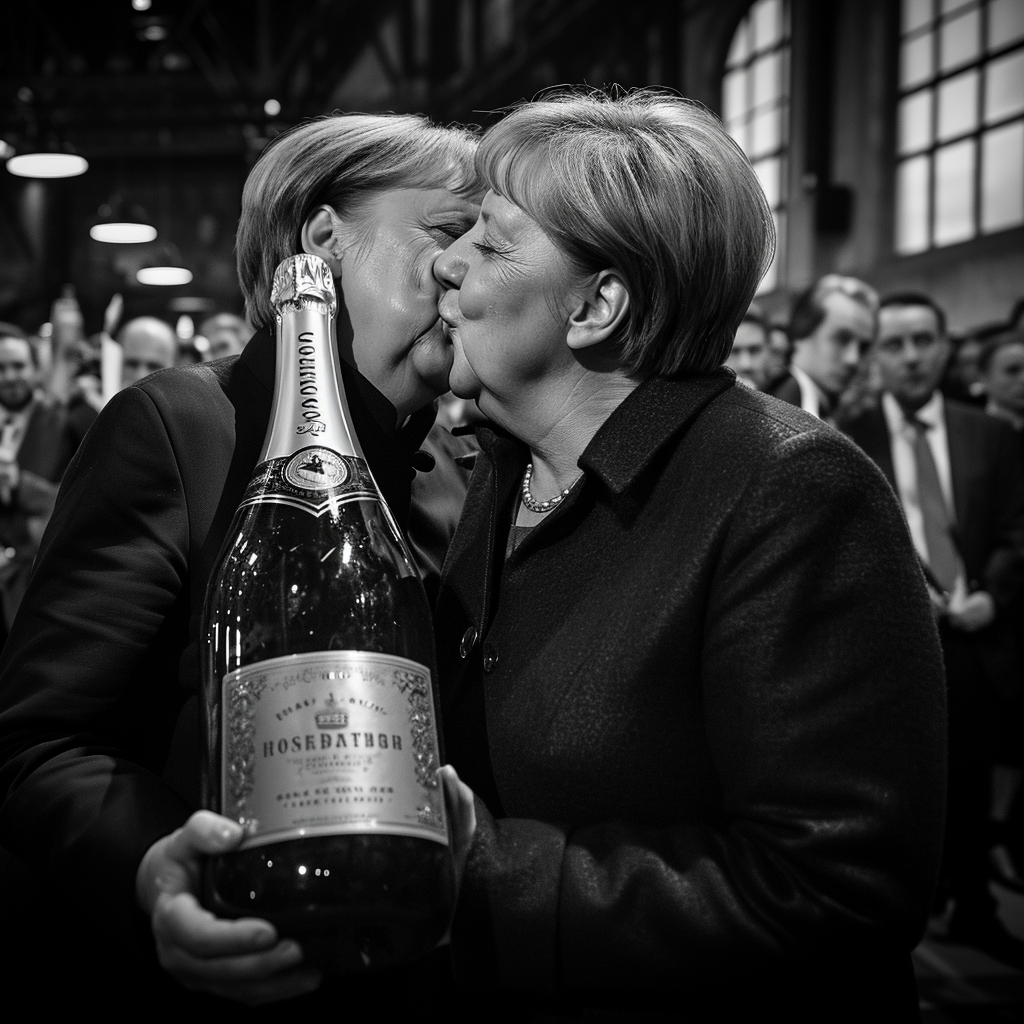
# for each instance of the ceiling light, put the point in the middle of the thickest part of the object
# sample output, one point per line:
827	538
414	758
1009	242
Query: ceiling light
122	232
272	108
47	165
122	222
164	275
142	5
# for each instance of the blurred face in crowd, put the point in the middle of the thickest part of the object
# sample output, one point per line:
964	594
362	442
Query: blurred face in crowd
148	345
750	354
1004	378
780	351
963	366
17	373
832	353
226	333
911	353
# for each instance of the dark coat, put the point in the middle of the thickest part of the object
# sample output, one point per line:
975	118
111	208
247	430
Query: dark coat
104	653
703	704
984	463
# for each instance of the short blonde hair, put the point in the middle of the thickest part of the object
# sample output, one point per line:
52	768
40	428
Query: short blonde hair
340	160
651	185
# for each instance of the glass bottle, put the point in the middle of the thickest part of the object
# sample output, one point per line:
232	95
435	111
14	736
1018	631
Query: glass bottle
318	727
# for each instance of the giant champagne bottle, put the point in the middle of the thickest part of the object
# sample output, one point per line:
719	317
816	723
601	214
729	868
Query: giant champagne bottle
318	724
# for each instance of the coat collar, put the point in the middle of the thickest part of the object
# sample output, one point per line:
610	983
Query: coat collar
388	451
656	412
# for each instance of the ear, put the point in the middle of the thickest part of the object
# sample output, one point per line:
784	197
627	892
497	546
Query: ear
603	306
322	236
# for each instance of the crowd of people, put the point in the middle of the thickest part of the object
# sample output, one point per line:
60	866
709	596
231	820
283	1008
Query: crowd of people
942	416
695	647
51	391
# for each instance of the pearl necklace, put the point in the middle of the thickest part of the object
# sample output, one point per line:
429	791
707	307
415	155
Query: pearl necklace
541	506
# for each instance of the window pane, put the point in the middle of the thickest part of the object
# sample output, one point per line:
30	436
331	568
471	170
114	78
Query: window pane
958	105
767	72
734	95
954	193
740	48
912	205
1004	87
1002	184
915	122
769	173
766	135
960	40
915	14
740	132
916	60
766	16
1005	22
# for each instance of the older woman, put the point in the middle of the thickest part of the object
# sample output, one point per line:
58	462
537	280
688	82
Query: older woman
688	663
103	654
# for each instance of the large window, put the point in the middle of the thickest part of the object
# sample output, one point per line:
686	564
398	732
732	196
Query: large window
755	105
960	121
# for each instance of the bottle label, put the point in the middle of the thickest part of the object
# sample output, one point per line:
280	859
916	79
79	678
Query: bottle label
315	479
330	743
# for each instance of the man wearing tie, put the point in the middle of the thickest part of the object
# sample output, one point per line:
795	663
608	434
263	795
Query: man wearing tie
955	471
35	448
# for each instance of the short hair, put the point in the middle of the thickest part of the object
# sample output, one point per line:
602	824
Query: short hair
8	330
648	184
809	309
993	345
916	299
340	160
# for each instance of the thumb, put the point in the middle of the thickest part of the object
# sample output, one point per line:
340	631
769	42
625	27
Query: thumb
205	833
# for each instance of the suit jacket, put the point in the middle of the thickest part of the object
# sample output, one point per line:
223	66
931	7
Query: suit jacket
104	653
984	462
702	707
46	449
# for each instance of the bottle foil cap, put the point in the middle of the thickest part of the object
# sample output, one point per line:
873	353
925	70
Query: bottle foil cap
301	279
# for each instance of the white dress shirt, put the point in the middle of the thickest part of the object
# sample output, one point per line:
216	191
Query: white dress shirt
904	464
811	396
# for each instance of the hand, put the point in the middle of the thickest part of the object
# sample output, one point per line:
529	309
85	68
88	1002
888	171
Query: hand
458	802
241	960
970	612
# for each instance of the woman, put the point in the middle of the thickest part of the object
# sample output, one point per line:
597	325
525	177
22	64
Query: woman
687	661
103	656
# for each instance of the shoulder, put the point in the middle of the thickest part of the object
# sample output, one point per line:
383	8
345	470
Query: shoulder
764	446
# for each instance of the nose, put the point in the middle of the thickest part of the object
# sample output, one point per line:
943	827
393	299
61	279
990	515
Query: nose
450	265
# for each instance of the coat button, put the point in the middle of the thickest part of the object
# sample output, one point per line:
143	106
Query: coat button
490	658
466	644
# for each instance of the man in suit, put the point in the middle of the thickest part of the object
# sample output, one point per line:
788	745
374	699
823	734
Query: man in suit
955	471
832	327
35	448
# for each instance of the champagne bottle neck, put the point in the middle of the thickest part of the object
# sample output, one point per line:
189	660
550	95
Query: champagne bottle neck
309	405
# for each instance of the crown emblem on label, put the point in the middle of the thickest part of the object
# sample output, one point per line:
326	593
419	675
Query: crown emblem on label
332	717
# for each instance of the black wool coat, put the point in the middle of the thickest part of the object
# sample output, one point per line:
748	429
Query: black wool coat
702	707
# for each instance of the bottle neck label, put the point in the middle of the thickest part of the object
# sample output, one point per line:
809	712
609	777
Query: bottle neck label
309	406
315	479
